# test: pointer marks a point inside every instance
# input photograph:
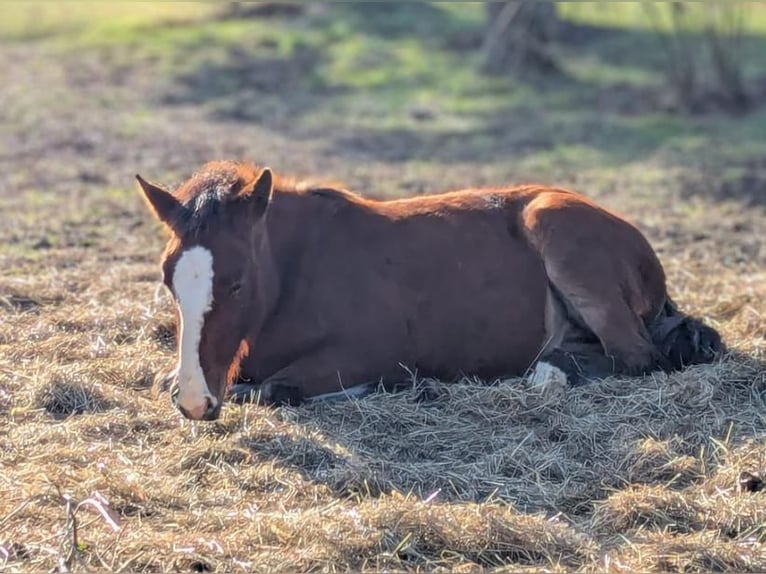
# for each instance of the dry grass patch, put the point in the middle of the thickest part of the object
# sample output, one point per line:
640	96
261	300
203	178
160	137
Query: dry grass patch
621	474
647	507
697	552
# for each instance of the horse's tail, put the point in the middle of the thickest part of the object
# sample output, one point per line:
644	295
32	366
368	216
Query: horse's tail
683	339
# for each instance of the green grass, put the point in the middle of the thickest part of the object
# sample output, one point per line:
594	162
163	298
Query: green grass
24	21
381	63
633	15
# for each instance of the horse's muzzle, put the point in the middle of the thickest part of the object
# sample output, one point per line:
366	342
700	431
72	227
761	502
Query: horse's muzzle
209	412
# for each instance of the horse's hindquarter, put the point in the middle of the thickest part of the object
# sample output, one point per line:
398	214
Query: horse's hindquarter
579	238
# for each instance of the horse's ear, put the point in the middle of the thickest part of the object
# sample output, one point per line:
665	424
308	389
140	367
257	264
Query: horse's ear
162	203
259	192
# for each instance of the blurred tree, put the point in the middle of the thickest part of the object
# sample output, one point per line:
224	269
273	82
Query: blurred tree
689	33
724	30
518	36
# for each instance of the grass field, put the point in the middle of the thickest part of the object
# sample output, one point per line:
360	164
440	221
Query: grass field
652	474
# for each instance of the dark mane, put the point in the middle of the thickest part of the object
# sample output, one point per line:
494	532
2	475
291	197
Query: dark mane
219	182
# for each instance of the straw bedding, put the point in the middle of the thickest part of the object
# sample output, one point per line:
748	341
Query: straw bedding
620	475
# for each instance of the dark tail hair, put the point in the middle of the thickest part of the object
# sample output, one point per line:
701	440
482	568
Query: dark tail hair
683	339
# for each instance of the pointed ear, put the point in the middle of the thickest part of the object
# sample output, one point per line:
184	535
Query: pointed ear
258	193
165	207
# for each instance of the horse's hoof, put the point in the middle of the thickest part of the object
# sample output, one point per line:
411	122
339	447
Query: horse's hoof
548	380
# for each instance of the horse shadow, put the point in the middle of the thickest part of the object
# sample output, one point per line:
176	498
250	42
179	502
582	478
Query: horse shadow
473	442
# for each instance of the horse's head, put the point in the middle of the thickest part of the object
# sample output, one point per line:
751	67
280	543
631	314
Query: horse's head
216	220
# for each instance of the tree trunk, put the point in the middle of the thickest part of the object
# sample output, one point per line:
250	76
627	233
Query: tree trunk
518	37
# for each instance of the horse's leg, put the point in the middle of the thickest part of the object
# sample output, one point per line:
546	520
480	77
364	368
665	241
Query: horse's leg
592	304
578	359
306	380
284	391
573	355
580	364
605	274
599	305
244	391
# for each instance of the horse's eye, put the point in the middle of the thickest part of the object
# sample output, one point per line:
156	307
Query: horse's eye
235	287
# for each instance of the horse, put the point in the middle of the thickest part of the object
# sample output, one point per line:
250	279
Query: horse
291	291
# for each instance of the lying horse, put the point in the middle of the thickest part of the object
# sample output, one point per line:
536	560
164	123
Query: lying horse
297	291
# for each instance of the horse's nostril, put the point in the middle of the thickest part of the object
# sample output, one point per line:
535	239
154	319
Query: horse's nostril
211	413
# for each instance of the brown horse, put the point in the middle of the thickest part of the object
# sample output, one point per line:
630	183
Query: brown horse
298	291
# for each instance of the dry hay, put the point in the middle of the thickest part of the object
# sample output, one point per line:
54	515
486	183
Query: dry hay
658	473
621	475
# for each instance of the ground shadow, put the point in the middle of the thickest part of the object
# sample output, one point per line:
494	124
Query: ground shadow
505	134
425	20
268	90
472	443
62	399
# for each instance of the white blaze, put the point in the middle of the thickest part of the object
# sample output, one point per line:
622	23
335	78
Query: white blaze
193	286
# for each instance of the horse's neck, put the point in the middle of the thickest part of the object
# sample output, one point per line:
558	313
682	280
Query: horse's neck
279	253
